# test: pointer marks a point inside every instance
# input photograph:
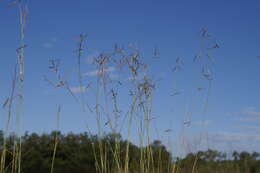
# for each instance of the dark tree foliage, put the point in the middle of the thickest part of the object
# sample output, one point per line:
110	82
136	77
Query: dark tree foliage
75	153
217	162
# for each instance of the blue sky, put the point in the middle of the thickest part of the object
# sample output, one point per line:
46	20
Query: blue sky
233	114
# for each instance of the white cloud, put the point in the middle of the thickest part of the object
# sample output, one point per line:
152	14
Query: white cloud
220	141
234	137
113	76
49	44
253	113
250	111
254	128
78	89
98	72
249	114
247	119
203	123
54	39
140	76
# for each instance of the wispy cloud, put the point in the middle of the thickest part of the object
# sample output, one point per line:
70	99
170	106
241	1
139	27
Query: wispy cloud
78	89
203	123
247	115
253	113
140	76
220	140
255	128
249	127
234	137
247	119
50	43
98	72
113	76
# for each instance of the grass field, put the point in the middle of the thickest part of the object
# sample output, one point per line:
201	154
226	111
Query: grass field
121	136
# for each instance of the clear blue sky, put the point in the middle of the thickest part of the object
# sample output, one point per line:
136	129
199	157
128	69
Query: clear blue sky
233	112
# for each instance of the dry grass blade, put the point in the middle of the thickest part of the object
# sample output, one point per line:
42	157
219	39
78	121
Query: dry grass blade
56	140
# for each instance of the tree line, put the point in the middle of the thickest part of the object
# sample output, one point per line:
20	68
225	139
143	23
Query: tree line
79	153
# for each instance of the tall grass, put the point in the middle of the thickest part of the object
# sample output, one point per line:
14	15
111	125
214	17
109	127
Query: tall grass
107	111
17	94
106	108
56	140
